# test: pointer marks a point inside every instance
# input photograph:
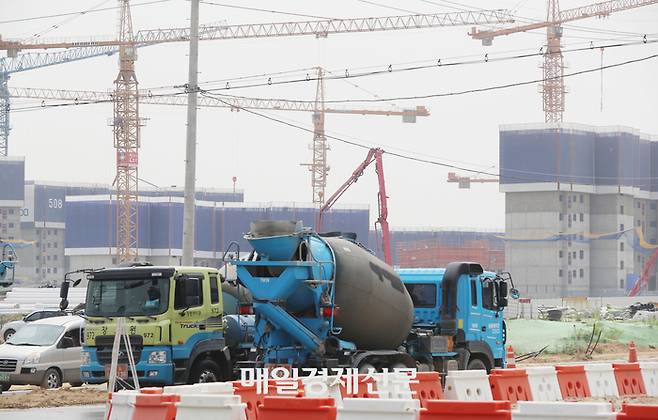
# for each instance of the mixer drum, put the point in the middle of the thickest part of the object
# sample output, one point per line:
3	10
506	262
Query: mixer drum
374	310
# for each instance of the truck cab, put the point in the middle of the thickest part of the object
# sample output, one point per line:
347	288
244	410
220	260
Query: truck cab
173	316
458	315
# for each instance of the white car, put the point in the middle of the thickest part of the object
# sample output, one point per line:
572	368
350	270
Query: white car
47	352
10	328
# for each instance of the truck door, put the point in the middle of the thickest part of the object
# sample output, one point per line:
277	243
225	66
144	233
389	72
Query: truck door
188	306
491	318
474	314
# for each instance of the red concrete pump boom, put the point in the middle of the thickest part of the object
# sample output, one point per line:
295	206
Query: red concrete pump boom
374	155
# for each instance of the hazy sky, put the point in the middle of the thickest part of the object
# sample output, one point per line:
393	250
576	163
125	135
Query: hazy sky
75	143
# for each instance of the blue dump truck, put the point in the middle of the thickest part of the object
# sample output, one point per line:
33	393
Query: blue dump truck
324	301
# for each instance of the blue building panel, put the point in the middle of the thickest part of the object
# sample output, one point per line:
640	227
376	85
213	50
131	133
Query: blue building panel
644	167
204	238
586	157
12	179
160	213
90	224
49	203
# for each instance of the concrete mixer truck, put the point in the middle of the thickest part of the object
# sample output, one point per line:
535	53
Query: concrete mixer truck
324	301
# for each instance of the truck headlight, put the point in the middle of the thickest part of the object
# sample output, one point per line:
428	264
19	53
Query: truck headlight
158	356
32	359
86	358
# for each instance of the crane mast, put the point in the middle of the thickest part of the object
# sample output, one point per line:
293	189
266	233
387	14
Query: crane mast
126	128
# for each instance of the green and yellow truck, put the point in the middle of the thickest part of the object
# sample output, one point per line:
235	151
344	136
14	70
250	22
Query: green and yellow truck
174	317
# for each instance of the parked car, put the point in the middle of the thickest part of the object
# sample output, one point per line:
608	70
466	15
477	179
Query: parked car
10	328
47	352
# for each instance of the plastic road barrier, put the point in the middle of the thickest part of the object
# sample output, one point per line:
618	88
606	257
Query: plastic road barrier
543	383
629	379
573	382
468	385
467	410
510	385
601	380
533	410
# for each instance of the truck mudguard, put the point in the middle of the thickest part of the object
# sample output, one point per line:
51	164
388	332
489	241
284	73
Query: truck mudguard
449	286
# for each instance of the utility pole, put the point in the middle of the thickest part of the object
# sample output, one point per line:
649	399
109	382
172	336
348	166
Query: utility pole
190	149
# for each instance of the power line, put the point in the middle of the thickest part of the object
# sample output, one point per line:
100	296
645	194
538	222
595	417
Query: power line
438	64
81	12
67	20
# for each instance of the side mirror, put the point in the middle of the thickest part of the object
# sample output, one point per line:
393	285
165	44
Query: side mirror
64	290
515	293
502	292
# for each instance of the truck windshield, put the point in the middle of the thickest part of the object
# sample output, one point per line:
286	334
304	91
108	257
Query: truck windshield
132	297
36	335
423	295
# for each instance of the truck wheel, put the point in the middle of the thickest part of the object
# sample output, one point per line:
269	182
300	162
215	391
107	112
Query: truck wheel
205	370
8	334
4	387
52	379
476	364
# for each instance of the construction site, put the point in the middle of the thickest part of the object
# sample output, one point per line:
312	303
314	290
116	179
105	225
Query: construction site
367	210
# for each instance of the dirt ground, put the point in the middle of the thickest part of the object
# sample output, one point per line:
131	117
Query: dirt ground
609	352
40	398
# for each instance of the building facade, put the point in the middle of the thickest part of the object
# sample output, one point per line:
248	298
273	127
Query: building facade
580	208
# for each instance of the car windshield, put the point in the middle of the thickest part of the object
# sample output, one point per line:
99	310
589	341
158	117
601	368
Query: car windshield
36	335
131	297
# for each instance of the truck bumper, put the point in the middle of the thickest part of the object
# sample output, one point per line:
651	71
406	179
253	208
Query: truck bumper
148	373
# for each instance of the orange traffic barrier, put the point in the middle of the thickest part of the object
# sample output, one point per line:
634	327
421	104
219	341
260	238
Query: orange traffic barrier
251	396
638	412
632	352
510	385
629	379
291	408
573	382
152	404
471	410
427	386
510	358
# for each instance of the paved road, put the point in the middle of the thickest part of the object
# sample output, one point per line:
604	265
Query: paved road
88	412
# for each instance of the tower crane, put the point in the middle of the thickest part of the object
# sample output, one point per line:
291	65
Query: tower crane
126	121
552	87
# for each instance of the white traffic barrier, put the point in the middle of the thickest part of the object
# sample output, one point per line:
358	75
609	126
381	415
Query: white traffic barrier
203	388
543	383
378	409
542	410
122	405
323	387
601	380
393	385
650	377
467	385
210	407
